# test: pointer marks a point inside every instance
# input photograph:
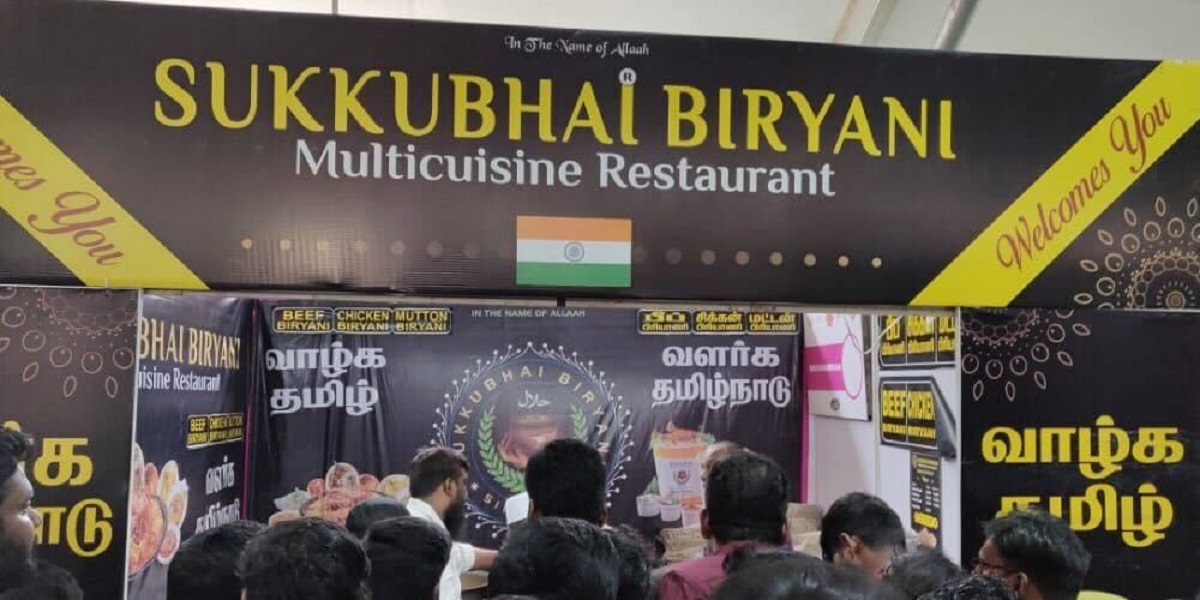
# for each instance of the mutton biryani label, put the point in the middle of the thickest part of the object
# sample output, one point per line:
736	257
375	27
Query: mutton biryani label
423	321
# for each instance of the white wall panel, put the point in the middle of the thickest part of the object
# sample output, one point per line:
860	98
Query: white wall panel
811	20
297	6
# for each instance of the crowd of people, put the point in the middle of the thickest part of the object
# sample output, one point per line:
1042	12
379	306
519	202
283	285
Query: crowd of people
565	550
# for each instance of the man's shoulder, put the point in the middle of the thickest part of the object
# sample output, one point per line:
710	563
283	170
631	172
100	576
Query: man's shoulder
422	510
702	573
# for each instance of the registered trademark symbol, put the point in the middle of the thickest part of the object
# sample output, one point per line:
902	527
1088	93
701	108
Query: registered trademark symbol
627	76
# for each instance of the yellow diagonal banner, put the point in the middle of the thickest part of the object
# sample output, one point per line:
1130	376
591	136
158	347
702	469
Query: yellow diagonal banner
74	218
1068	197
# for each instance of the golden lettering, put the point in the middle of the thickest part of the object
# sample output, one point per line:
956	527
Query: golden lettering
176	92
219	100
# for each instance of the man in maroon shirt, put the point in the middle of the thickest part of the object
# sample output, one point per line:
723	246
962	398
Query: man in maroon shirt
746	502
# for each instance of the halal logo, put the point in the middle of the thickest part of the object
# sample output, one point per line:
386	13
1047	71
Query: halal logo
574	252
504	410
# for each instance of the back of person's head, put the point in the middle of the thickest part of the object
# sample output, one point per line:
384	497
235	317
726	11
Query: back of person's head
205	567
1042	548
776	579
307	558
567	479
918	573
860	519
48	583
746	500
635	563
557	559
746	557
972	588
372	511
433	467
14	449
844	583
407	556
714	454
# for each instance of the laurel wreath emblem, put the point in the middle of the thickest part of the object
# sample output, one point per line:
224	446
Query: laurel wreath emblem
501	472
610	427
579	423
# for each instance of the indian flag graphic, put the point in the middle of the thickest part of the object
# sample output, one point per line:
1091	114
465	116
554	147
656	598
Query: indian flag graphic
571	252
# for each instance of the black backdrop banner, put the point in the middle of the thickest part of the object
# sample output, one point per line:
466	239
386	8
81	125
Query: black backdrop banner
231	149
67	360
1094	416
342	415
188	474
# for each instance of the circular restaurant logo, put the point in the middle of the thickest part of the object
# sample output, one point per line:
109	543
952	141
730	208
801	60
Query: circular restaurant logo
504	410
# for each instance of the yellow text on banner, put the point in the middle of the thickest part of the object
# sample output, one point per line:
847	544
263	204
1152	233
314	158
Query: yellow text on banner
74	218
1068	197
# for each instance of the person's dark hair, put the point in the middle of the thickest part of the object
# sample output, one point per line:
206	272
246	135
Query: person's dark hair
434	466
46	582
635	563
14	449
776	579
746	498
566	479
716	453
972	588
918	573
1044	548
372	511
863	516
306	558
408	556
843	582
205	567
557	559
746	557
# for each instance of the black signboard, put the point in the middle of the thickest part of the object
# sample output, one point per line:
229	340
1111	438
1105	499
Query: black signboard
231	149
916	340
925	495
67	362
908	412
1095	417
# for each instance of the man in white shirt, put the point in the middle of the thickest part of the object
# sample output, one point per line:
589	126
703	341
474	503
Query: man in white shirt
438	481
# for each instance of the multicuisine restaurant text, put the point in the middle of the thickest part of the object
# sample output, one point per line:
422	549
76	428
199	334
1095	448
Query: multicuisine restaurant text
334	100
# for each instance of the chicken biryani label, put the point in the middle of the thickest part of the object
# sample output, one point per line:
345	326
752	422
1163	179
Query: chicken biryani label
362	321
210	430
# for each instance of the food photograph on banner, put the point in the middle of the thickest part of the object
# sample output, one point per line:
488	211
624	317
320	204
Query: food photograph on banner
652	390
188	457
1093	417
67	360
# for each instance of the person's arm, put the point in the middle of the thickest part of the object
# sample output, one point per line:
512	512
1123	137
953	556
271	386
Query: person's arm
483	559
462	558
